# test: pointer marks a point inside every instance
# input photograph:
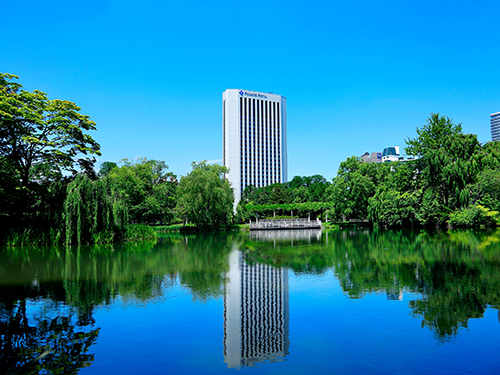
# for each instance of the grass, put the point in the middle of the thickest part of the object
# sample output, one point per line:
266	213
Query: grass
103	237
330	225
140	232
241	227
33	237
172	228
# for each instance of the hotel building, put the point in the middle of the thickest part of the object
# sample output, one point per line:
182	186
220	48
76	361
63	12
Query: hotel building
495	126
254	139
255	313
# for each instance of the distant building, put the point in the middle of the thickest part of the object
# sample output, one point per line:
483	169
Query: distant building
375	157
254	139
495	126
390	154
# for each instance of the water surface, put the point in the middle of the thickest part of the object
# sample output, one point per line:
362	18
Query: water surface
349	302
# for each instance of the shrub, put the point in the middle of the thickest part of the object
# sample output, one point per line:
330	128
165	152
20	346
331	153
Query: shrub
140	232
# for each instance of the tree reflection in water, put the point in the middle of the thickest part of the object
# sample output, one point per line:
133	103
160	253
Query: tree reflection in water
56	341
48	296
457	273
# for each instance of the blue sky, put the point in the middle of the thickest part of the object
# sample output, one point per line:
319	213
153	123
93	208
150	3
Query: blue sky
358	75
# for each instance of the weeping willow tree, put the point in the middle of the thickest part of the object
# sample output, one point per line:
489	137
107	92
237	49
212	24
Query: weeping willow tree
93	212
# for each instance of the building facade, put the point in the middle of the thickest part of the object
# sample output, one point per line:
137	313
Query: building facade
254	139
374	157
495	126
391	154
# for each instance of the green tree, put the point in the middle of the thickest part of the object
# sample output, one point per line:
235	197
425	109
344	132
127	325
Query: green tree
205	197
41	139
355	183
447	163
107	167
396	199
148	189
308	188
486	190
93	211
393	209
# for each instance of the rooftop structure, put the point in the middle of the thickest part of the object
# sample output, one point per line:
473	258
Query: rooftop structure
391	154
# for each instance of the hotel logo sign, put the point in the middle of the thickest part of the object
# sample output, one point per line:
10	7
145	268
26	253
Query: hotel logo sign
252	95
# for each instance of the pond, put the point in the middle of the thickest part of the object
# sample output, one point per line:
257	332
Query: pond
277	302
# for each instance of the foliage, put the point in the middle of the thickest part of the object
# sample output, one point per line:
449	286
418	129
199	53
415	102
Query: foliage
314	209
451	172
107	167
93	211
140	232
205	197
148	189
448	161
486	190
33	237
298	190
355	183
168	228
276	193
308	188
474	216
39	140
393	209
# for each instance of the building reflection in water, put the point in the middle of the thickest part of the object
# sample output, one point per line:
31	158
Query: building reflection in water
286	235
255	313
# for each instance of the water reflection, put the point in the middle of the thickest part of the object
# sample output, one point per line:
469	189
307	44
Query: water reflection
40	335
444	279
452	277
286	235
255	313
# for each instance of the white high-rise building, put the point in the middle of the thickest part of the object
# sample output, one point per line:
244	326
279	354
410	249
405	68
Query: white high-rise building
495	126
254	139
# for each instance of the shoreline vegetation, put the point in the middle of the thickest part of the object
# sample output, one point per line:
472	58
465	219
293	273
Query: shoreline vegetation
51	194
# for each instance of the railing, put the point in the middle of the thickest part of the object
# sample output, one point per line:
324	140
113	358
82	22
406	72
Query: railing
285	224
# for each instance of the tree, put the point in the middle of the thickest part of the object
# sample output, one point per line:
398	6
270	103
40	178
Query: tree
205	198
487	188
41	138
107	167
308	188
355	183
389	207
93	211
148	189
448	161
